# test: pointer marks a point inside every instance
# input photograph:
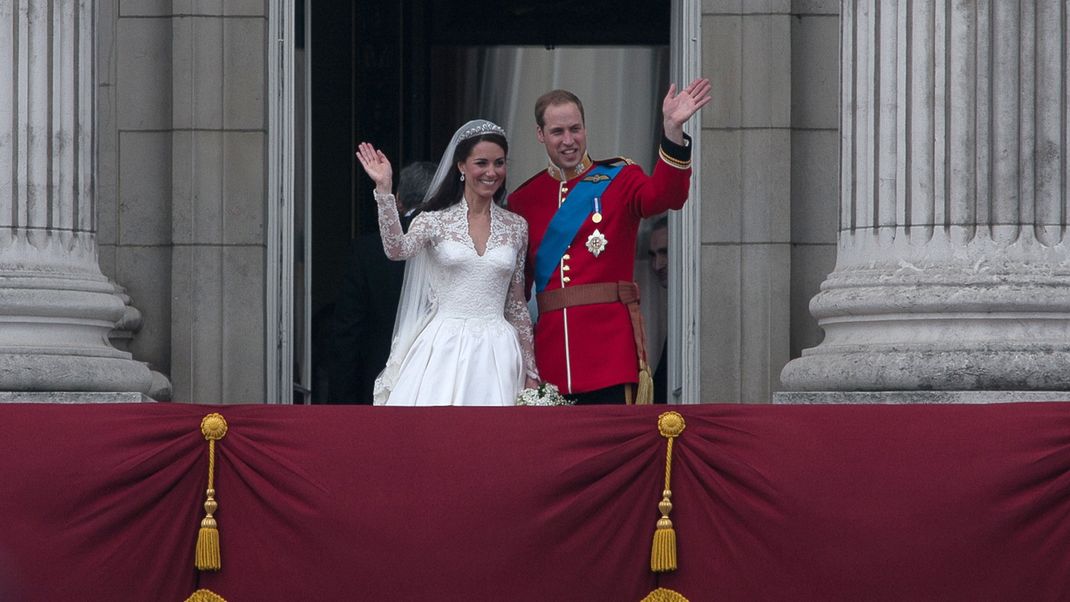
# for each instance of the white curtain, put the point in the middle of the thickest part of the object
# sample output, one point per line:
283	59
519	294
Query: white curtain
621	89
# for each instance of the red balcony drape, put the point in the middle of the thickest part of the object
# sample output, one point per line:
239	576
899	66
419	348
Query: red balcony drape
102	502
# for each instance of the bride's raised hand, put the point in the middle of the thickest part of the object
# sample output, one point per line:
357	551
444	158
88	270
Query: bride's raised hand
377	166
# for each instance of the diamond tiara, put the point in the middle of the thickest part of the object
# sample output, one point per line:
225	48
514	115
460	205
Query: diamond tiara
484	128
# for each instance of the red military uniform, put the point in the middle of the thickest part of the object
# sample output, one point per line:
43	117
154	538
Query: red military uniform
590	347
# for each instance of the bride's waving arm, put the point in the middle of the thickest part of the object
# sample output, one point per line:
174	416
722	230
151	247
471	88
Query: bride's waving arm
516	310
396	243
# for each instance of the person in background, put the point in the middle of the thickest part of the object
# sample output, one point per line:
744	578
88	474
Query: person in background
583	219
368	300
658	250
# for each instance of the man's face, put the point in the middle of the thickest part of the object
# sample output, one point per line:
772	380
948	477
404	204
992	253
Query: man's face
563	134
659	255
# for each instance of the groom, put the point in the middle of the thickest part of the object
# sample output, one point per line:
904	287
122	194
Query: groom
583	219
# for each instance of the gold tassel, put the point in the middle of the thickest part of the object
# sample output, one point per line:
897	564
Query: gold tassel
208	538
214	428
663	550
645	393
205	595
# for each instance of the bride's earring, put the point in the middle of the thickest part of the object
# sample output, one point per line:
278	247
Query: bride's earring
462	176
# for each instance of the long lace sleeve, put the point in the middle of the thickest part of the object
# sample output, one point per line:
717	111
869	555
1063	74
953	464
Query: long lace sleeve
516	309
397	244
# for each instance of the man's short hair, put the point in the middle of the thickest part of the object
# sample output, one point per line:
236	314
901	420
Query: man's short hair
659	223
556	97
415	178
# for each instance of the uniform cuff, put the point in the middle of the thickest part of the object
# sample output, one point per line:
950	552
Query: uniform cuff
677	155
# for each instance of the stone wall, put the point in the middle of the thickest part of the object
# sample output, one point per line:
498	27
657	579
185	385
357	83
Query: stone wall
768	189
181	192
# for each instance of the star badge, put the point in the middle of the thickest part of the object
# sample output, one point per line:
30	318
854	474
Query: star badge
596	243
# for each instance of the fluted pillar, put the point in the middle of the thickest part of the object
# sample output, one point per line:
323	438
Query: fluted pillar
953	266
56	308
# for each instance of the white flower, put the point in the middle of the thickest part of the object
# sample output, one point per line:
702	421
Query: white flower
546	395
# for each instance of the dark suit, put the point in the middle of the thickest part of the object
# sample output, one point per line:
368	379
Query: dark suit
364	320
661	376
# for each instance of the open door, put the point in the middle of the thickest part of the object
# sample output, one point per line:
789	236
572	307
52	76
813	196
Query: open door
405	74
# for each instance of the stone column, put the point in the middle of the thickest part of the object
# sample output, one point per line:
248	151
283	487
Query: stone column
56	308
953	267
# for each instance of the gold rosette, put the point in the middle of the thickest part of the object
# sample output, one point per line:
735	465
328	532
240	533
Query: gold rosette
205	595
664	595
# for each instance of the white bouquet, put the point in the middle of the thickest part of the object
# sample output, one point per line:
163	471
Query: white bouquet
545	395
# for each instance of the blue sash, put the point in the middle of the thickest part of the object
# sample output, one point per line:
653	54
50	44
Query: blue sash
567	221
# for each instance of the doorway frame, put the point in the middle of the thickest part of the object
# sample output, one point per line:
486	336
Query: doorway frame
279	227
685	226
685	276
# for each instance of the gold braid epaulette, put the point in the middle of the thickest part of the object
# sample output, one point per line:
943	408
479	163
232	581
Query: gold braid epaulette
615	161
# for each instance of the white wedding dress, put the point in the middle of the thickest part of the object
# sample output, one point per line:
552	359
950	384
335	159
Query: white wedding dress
473	344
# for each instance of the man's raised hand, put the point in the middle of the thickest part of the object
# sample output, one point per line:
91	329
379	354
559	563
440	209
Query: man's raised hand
677	108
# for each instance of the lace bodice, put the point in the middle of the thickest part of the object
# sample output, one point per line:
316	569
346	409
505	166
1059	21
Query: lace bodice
465	284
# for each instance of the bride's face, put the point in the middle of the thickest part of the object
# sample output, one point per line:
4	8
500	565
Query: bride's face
484	170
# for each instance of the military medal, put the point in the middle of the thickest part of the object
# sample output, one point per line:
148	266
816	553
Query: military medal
597	217
596	243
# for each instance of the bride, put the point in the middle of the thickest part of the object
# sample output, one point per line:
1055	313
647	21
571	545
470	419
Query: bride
463	333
